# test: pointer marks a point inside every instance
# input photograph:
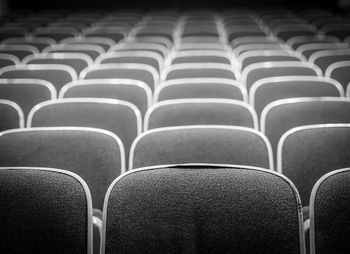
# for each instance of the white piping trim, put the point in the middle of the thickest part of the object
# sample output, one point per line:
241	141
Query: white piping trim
18	109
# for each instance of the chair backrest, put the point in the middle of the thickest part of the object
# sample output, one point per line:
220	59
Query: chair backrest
257	71
39	42
27	92
200	88
142	72
96	155
78	61
8	59
134	91
120	117
20	51
57	74
202	209
200	112
329	217
325	58
306	153
340	72
282	115
267	90
12	115
92	50
200	56
198	70
195	144
44	211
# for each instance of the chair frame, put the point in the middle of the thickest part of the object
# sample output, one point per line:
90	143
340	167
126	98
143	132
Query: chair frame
105	206
193	101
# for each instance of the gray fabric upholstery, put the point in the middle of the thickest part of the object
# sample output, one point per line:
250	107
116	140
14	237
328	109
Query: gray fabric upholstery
92	155
260	73
25	95
202	210
309	154
200	90
341	74
9	117
201	73
56	77
121	73
42	212
200	114
117	118
130	93
201	59
273	91
77	64
331	215
287	116
201	145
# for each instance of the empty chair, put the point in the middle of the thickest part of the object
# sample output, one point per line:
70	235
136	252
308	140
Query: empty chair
38	42
199	70
45	211
142	57
200	88
134	91
92	50
8	59
329	217
20	50
257	71
297	41
339	71
311	48
58	75
285	32
12	116
137	45
78	61
200	112
201	144
105	43
306	153
142	72
200	56
325	58
120	117
94	154
281	115
341	31
56	33
11	32
199	209
114	33
27	92
267	90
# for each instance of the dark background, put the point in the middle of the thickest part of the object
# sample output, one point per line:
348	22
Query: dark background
151	4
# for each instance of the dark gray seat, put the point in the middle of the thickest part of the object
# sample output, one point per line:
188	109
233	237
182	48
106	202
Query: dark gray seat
201	144
202	209
44	211
329	216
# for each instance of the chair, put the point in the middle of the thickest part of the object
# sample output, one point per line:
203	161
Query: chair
201	144
92	50
11	32
309	49
134	91
200	56
105	43
325	58
78	61
198	70
12	116
329	219
200	88
297	41
27	92
285	32
142	72
257	71
308	152
283	115
18	50
267	90
341	31
120	117
38	42
202	208
58	75
56	33
340	72
114	33
142	57
44	210
137	45
8	59
94	154
200	112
